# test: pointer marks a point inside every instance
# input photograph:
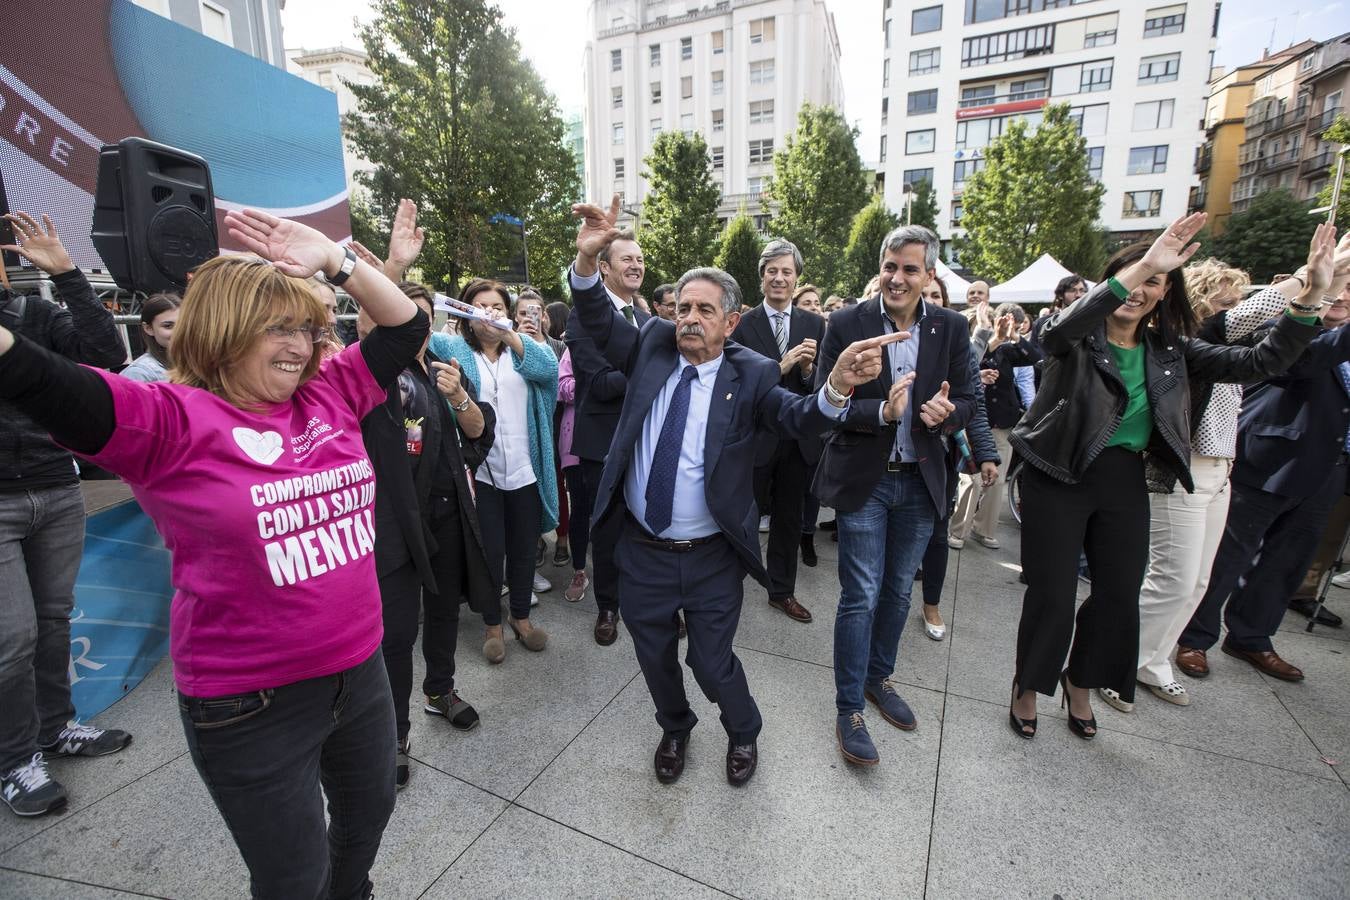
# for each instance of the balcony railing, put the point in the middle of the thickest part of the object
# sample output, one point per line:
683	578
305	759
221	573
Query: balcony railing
1199	196
993	100
1204	158
1242	190
1321	122
1281	160
1317	164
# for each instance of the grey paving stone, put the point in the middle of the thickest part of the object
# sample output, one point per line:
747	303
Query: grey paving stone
163	836
1320	704
36	887
150	713
1124	817
526	855
808	824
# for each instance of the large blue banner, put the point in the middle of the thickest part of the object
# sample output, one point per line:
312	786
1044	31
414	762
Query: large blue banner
120	627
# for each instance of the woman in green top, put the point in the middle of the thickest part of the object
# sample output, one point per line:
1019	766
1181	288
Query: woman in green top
1114	387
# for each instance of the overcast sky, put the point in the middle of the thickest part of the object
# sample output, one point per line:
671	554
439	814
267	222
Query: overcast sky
553	33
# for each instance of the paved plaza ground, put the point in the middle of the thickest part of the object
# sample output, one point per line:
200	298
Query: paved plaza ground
1246	793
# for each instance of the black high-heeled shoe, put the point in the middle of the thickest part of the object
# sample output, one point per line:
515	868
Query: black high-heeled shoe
1020	726
1076	725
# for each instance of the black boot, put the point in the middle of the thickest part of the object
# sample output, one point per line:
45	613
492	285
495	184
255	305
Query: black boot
808	549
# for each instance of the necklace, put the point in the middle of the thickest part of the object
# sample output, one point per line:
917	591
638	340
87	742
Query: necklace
491	370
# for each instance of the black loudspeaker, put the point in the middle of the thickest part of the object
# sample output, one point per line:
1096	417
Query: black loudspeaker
154	214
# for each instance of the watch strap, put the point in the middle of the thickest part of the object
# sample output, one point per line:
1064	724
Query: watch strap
345	270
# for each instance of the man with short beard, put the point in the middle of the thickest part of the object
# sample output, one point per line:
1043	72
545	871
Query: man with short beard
663	302
787	336
599	391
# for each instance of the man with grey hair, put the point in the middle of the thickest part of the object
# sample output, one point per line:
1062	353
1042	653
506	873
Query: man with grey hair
678	478
885	473
787	337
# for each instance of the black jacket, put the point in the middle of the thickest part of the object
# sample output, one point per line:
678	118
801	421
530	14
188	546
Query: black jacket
1082	396
1002	399
756	332
83	331
402	509
600	389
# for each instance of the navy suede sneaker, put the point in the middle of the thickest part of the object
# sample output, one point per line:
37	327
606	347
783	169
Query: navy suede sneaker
893	709
854	741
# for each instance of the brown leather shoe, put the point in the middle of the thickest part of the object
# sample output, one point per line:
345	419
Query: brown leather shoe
741	762
606	627
1192	661
670	757
1267	662
793	609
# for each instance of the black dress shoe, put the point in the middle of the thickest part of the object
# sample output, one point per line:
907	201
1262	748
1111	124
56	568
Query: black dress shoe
809	550
741	762
1305	606
670	757
606	627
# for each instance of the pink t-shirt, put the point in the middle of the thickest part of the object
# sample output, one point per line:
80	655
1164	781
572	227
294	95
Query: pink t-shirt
270	520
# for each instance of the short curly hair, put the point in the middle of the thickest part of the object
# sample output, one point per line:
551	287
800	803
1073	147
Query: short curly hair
1209	279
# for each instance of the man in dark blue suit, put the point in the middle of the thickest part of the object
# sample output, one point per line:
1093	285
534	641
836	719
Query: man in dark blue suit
679	481
885	473
1293	434
599	397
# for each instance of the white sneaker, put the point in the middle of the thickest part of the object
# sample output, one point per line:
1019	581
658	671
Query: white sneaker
763	524
534	599
955	543
541	584
1342	580
985	541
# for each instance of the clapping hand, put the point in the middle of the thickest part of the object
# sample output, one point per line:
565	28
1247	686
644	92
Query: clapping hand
804	355
988	376
898	399
295	249
42	249
936	410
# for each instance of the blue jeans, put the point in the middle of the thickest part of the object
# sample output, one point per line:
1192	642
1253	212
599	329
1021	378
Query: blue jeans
265	755
880	547
41	541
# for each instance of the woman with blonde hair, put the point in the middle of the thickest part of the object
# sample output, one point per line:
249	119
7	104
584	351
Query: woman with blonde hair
1215	286
251	465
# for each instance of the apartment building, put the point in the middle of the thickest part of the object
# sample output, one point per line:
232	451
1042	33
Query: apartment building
336	68
249	26
735	71
1292	105
956	73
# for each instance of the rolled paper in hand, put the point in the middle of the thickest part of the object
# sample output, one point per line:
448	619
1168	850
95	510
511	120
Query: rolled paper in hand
442	303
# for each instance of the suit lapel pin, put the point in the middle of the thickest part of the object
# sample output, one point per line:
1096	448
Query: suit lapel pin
728	396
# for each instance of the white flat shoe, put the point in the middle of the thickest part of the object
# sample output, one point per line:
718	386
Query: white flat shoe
541	584
1172	693
934	632
1113	699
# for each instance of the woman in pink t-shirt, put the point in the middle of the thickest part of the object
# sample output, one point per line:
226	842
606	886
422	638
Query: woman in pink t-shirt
251	464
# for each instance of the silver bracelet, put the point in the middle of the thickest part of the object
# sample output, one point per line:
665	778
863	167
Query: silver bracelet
460	407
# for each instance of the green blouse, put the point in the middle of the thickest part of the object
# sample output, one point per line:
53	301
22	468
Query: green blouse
1136	426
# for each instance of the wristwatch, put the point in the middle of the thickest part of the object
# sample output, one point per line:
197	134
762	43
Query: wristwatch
460	407
345	270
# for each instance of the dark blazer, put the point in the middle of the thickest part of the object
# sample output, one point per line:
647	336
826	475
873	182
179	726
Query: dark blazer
756	332
1292	428
1002	399
401	499
855	455
745	397
600	388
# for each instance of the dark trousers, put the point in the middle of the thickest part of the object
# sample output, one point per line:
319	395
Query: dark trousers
605	583
938	551
579	524
810	505
1106	515
403	596
1285	531
263	757
705	583
509	521
782	483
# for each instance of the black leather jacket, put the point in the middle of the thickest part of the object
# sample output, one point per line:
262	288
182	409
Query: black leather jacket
1082	396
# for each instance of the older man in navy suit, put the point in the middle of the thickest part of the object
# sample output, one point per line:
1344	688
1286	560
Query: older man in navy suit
679	478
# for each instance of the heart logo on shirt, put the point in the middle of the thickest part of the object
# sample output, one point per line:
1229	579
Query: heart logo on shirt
262	447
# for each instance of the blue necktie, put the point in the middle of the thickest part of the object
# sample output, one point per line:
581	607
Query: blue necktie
666	460
1344	370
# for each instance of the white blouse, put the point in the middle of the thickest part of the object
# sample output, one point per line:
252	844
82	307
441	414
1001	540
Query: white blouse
507	466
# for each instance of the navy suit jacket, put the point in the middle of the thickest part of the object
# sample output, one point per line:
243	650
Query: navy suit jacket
746	396
855	455
1292	428
600	390
756	332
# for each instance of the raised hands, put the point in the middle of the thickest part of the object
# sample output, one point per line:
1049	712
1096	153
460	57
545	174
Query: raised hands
295	249
936	410
598	230
405	240
1321	268
861	361
1174	246
41	248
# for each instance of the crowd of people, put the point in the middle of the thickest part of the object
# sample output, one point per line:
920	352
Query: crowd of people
1182	446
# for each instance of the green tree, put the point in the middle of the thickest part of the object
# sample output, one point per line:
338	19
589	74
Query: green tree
870	227
923	209
818	186
1033	196
679	216
738	254
1338	133
1268	237
460	122
1087	256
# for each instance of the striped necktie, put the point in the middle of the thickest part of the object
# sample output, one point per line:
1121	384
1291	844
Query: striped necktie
780	332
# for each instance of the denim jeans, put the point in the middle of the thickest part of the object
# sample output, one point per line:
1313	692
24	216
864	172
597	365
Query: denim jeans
41	541
263	757
880	547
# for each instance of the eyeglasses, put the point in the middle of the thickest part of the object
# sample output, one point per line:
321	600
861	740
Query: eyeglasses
314	333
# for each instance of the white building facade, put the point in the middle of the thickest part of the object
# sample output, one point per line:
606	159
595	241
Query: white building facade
335	68
735	71
1135	73
249	26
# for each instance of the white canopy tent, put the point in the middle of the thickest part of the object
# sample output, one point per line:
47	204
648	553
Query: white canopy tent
956	285
1034	284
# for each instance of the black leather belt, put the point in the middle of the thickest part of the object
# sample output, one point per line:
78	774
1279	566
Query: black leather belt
642	537
895	465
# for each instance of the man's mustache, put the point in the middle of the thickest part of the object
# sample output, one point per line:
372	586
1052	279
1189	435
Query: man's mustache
691	329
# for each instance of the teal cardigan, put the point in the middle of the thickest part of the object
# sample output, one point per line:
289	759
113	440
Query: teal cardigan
539	368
